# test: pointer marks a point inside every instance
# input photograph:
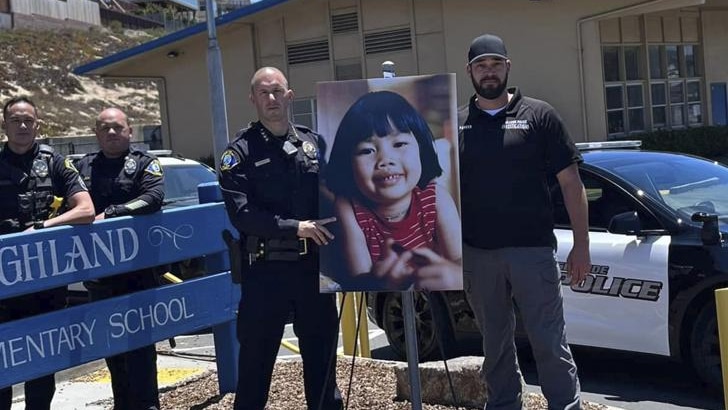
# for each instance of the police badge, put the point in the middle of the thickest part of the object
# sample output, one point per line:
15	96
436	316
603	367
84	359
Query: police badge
310	150
40	167
130	166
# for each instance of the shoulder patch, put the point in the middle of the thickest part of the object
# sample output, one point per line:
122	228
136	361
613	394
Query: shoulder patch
154	168
228	160
69	164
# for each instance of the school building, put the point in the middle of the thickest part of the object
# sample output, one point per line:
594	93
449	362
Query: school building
611	68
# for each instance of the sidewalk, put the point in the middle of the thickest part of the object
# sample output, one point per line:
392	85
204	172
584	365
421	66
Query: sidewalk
89	386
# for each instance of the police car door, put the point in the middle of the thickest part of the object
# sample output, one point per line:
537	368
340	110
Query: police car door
623	303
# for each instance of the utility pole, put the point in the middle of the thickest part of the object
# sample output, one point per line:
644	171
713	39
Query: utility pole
217	85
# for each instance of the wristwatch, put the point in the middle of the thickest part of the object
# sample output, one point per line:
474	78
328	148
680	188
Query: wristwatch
38	225
110	211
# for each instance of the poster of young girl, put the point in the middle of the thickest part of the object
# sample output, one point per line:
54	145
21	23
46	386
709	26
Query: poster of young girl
391	179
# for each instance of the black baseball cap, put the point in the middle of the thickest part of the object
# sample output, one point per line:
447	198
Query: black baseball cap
487	45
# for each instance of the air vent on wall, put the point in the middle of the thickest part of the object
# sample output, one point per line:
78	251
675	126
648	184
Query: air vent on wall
385	41
344	23
308	52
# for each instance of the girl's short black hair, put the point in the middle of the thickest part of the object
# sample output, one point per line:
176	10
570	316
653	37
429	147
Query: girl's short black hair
374	114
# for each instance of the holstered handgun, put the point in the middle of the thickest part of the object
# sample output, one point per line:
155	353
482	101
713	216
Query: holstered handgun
236	259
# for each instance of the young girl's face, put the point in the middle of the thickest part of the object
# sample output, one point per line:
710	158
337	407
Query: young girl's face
387	169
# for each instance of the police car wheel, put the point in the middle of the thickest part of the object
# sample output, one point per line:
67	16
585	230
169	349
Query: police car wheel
432	324
705	347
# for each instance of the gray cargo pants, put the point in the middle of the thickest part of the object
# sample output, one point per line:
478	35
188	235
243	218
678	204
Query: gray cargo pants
494	279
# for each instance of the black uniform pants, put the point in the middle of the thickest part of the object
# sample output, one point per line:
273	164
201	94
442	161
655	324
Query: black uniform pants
133	373
270	291
38	392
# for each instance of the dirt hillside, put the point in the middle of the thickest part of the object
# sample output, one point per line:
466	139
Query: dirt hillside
39	64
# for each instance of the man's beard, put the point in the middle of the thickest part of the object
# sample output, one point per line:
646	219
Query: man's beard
490	93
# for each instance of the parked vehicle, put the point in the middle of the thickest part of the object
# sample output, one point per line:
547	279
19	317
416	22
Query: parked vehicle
657	227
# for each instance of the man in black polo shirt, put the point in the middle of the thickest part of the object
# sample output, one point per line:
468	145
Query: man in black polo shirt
509	146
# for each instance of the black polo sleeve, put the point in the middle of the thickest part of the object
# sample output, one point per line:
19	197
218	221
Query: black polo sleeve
560	149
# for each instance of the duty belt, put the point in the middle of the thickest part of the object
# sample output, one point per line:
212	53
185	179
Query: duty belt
287	250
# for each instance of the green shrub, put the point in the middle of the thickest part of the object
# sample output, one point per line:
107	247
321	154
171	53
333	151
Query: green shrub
708	142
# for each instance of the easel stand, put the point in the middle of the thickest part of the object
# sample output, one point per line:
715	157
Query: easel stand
410	337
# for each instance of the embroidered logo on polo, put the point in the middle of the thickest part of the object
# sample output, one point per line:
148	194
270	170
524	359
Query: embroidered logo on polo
516	125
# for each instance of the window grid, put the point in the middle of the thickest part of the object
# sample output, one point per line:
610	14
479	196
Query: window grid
303	112
649	86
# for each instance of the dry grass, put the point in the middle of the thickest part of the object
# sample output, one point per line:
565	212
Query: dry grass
40	64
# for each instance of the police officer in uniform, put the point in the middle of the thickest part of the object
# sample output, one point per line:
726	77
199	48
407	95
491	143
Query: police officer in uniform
123	182
30	176
269	180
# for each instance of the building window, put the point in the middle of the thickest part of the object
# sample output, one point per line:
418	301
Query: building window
304	112
675	87
651	84
676	84
624	89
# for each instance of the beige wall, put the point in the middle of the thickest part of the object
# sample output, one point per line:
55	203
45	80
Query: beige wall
542	44
184	90
541	38
715	49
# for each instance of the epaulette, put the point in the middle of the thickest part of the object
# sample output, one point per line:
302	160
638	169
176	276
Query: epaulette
241	134
92	155
46	149
304	129
140	153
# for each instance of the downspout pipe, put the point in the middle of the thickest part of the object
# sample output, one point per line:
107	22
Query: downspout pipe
606	14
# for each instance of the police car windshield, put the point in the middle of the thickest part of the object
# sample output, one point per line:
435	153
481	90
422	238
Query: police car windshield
685	184
181	181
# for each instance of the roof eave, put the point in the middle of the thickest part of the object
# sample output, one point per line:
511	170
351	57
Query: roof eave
100	66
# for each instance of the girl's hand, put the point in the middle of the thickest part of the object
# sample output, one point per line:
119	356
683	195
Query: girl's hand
393	269
435	272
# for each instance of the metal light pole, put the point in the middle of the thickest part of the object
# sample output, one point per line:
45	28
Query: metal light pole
408	308
217	85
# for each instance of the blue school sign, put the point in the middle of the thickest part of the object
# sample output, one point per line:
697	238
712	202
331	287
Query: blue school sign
56	257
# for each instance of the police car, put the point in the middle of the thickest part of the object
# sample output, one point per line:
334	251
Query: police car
657	228
181	178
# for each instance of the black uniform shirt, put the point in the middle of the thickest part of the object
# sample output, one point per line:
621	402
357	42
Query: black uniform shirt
505	161
64	178
266	190
135	180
